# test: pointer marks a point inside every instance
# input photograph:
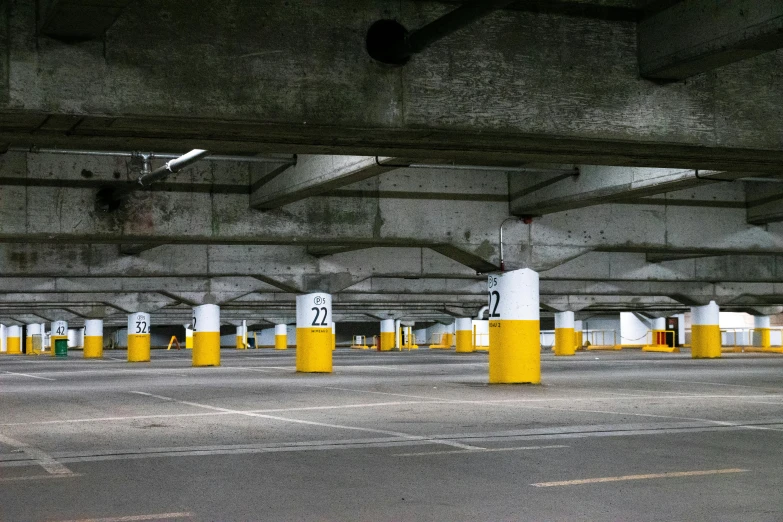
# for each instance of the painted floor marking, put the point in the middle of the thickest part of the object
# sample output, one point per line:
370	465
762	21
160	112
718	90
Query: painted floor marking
314	423
672	474
38	477
133	518
43	459
28	375
485	450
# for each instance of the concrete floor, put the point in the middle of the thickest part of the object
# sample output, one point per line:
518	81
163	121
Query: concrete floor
392	436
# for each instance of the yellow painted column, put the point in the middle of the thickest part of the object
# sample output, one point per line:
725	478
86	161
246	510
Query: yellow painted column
334	336
188	337
514	328
705	331
763	332
139	337
387	335
281	337
206	335
578	335
32	331
59	331
314	339
564	334
3	339
465	335
93	338
241	337
14	340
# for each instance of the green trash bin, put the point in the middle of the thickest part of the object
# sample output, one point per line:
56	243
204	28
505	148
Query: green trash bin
61	348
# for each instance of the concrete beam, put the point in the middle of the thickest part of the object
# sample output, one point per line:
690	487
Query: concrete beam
696	36
313	175
80	20
765	203
539	194
267	91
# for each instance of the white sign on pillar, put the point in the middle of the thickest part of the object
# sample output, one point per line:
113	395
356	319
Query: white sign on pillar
139	324
59	329
314	311
513	296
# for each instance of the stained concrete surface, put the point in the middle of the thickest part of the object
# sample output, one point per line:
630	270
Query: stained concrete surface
397	436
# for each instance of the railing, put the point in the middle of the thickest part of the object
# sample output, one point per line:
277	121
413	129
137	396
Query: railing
601	337
359	342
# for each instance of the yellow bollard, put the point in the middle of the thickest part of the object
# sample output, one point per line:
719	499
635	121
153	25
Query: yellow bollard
138	337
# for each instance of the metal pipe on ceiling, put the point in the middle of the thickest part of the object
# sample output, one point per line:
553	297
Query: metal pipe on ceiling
153	155
481	168
172	166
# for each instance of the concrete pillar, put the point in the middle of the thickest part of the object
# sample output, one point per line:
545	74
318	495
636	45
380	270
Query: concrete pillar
387	335
241	337
206	335
762	333
73	338
188	337
465	335
705	331
93	338
334	335
314	339
3	338
45	339
281	337
659	331
139	337
14	340
578	334
32	331
565	343
514	328
59	331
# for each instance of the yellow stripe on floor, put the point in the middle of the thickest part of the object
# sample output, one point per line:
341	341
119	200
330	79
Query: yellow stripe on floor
638	477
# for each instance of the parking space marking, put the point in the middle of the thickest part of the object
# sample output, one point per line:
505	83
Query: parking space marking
43	459
484	450
134	518
672	474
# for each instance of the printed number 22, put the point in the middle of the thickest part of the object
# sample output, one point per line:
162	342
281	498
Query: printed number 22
317	314
493	312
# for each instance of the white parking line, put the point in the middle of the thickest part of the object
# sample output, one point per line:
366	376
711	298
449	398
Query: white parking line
45	460
484	450
313	423
31	376
134	518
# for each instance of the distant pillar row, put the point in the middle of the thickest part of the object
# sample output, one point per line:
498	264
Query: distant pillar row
138	337
241	337
93	338
206	335
705	331
565	341
281	337
314	338
514	328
